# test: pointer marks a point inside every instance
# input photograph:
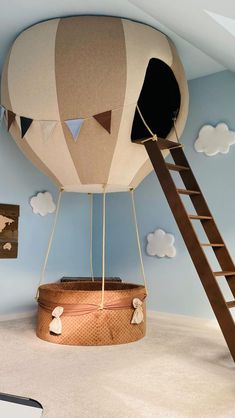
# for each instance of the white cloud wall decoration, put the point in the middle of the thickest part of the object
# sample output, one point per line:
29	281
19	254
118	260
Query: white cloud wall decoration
42	203
161	244
214	140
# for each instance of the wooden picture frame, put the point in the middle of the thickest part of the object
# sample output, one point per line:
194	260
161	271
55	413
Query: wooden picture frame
9	219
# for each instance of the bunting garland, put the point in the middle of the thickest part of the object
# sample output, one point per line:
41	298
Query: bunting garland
48	126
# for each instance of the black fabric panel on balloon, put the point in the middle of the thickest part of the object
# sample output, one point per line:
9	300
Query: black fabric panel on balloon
159	100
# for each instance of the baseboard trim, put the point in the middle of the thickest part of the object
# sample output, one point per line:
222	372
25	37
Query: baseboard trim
210	323
17	315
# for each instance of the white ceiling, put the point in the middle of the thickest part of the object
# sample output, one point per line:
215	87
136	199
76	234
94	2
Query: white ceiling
199	28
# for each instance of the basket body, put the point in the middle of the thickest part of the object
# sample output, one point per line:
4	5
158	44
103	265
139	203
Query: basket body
109	326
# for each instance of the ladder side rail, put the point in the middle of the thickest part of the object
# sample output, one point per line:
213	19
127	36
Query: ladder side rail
196	252
222	253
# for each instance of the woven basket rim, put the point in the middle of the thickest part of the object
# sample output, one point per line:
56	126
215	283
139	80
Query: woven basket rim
55	287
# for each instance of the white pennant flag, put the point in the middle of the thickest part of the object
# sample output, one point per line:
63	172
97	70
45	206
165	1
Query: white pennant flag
74	126
47	128
2	110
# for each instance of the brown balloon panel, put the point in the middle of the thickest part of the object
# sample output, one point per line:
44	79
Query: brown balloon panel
70	87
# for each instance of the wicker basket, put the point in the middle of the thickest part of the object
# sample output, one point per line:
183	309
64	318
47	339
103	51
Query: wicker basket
83	322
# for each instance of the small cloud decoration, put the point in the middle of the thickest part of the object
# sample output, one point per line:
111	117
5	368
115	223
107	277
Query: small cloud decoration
214	140
161	244
42	203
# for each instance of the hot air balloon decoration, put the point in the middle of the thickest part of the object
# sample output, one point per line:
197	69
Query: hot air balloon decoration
76	94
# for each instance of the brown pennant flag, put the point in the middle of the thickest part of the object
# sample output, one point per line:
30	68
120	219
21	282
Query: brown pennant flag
10	118
104	119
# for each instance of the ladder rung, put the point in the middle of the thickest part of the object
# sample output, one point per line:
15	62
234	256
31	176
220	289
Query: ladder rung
162	143
208	244
175	167
166	144
200	217
231	304
188	192
224	273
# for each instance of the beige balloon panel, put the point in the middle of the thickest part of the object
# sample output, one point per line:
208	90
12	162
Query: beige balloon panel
29	88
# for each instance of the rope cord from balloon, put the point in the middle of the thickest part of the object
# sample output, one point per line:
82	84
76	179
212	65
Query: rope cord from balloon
146	125
103	247
42	275
175	130
138	239
154	136
91	235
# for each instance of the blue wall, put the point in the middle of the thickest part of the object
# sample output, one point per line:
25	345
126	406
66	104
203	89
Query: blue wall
173	283
19	277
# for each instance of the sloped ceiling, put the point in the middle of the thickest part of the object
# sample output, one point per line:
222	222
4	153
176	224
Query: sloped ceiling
206	24
204	42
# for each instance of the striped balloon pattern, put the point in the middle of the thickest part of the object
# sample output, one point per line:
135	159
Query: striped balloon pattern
70	88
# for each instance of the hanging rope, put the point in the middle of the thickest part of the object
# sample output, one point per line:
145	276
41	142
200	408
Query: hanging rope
42	275
154	136
175	130
146	125
91	236
138	239
103	247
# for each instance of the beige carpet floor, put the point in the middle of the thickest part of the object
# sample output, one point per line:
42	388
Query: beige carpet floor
180	370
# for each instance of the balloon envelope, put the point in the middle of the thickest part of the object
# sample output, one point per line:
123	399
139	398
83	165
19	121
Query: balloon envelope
79	79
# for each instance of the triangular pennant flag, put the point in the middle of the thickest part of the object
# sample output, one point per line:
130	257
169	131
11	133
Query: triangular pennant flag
74	126
18	121
2	111
10	118
47	127
25	124
104	119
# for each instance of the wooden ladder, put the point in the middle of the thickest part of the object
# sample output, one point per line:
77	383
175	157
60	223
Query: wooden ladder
208	277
